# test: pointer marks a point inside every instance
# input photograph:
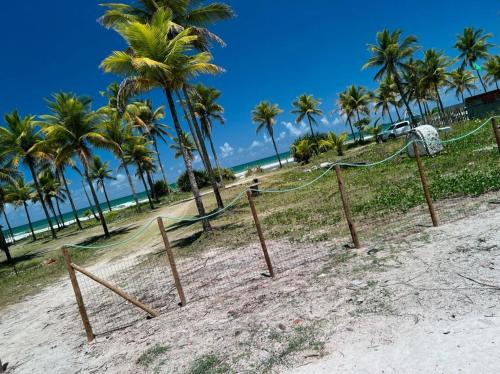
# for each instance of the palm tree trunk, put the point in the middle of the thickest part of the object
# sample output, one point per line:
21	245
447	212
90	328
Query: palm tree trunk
216	158
187	160
352	130
141	173
210	171
441	107
9	226
29	221
132	188
420	109
39	193
269	130
463	98
70	197
5	248
480	77
311	127
60	214
402	93
96	200
106	195
390	117
91	206
397	112
154	195
54	215
361	137
155	145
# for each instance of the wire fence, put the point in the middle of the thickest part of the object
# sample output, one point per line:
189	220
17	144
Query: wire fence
220	272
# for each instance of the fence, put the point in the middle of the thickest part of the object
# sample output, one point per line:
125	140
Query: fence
113	296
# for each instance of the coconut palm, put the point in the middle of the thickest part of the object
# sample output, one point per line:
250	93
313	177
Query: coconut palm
359	100
492	67
205	105
156	59
333	141
99	171
434	67
185	14
18	143
74	128
147	119
51	188
3	210
384	96
184	141
391	55
19	193
264	116
117	134
473	46
137	152
302	151
416	86
345	109
461	80
306	106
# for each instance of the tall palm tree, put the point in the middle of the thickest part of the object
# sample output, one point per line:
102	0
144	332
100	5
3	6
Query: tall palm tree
18	143
19	193
118	134
8	174
186	14
492	68
306	106
434	67
74	128
184	141
156	59
461	80
345	109
137	152
99	171
205	105
384	96
3	210
147	120
51	188
360	99
264	116
391	55
473	46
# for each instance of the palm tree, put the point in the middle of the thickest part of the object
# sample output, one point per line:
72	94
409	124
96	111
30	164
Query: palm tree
492	68
302	151
51	188
345	109
461	80
205	105
18	143
383	97
8	174
74	128
137	152
147	120
118	134
19	193
264	116
3	203
391	55
99	171
184	141
434	67
156	59
473	46
186	14
359	100
333	141
306	106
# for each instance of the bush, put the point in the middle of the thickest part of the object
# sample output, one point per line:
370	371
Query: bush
303	151
201	179
227	174
161	188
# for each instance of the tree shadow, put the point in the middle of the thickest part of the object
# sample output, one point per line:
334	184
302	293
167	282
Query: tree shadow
113	233
18	259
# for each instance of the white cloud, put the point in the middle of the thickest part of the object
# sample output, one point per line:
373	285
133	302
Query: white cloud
295	130
325	121
337	121
197	159
227	150
120	178
255	144
241	150
267	139
282	135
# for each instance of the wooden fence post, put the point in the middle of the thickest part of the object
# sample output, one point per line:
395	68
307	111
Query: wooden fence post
425	185
171	261
78	295
347	207
261	235
496	131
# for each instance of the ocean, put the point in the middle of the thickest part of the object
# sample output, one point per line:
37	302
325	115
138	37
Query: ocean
42	225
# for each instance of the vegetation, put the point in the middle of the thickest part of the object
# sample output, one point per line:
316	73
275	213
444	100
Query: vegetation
264	116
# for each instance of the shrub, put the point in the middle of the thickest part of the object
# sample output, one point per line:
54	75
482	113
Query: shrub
303	151
201	179
161	188
227	174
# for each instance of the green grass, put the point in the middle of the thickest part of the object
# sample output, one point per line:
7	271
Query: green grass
151	355
210	364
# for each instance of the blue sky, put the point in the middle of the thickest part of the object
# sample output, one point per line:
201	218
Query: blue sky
275	51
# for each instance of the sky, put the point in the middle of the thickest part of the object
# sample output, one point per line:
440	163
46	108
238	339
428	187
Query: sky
276	50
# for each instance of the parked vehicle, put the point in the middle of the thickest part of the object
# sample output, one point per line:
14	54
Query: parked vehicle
396	130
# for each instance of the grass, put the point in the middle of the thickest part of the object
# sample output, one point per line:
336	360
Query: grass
151	355
209	364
